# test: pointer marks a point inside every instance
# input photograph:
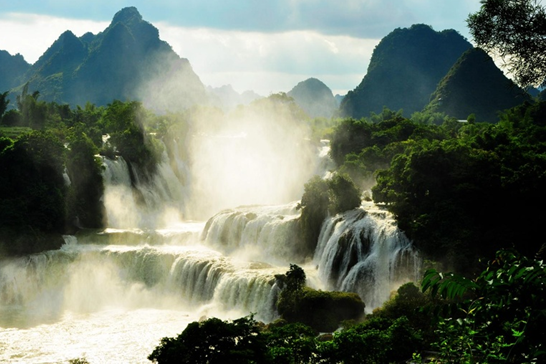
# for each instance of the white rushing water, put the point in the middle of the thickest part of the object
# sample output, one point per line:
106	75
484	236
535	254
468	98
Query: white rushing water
363	251
110	296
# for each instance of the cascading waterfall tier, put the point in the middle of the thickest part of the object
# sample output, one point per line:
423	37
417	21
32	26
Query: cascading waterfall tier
132	203
266	233
363	251
90	278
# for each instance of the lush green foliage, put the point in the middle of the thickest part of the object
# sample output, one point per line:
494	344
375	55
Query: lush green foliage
321	310
377	340
502	313
474	85
31	183
32	192
51	141
450	195
214	341
290	343
124	122
314	202
320	197
513	30
362	147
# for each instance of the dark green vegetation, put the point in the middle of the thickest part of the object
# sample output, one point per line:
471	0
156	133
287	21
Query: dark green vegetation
468	89
498	317
42	145
514	30
404	70
323	311
247	341
454	187
127	61
322	197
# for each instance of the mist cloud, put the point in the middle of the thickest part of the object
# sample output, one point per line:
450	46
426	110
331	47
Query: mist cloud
271	62
358	18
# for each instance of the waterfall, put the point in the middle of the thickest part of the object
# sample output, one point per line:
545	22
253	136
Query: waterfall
90	278
326	164
363	251
152	271
266	233
140	202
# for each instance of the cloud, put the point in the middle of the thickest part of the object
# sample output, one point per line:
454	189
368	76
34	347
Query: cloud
31	34
271	62
356	18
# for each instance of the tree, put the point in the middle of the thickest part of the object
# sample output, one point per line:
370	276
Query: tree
515	31
498	317
32	193
314	203
86	188
4	101
214	341
323	311
345	195
33	112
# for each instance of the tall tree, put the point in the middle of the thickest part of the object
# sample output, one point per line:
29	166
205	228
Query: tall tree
4	101
515	31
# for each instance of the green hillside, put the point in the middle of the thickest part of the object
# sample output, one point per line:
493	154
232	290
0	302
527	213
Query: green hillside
475	85
404	70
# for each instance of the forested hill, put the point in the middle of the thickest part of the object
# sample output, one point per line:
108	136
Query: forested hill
404	70
475	85
314	97
12	69
127	61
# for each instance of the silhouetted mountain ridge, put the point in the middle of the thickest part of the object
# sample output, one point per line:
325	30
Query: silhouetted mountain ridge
12	70
475	85
126	61
314	97
404	70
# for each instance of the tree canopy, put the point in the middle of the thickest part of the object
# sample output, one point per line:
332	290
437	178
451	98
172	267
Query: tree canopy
515	31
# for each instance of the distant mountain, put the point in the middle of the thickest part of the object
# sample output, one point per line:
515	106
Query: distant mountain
476	85
125	61
339	99
314	97
12	69
404	70
226	98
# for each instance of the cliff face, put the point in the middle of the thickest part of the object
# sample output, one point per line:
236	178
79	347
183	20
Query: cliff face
475	85
404	70
122	62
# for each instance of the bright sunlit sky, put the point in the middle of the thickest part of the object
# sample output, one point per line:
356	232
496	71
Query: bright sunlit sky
265	46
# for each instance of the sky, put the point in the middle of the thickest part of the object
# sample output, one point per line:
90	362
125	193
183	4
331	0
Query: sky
260	45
